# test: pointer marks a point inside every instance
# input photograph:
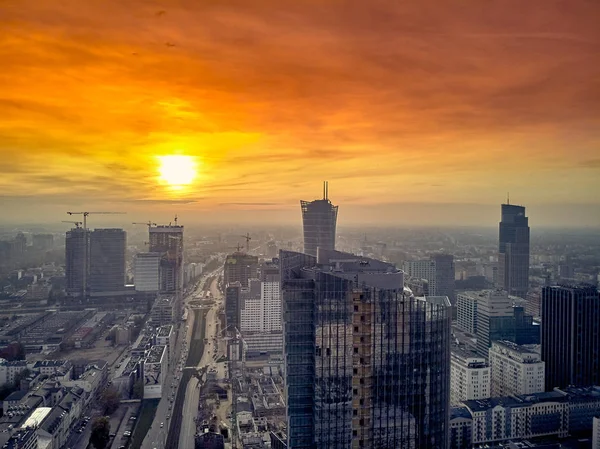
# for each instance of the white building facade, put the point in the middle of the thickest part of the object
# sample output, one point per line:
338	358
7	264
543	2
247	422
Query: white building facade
146	274
469	377
466	312
516	369
260	317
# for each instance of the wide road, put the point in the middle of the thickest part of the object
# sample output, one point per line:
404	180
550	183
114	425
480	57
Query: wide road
157	435
192	397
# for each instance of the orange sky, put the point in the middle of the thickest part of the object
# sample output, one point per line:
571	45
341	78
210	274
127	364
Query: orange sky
442	101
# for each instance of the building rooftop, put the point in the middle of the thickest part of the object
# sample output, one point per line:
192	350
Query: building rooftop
16	396
460	412
36	418
164	331
521	349
155	354
482	405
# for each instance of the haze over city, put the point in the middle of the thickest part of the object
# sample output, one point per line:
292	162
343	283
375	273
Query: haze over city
418	113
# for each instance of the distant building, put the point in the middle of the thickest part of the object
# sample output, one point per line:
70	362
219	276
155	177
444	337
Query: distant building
107	260
502	317
469	376
43	242
76	261
319	221
260	317
146	274
513	250
466	311
438	270
233	292
239	267
348	381
168	241
570	336
516	369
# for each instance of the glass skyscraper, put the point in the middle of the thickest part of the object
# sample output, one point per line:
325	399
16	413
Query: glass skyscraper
319	219
513	251
571	335
367	363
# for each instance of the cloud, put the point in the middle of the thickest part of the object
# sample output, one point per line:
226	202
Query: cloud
383	98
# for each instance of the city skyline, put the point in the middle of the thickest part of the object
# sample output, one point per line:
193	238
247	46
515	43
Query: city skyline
450	105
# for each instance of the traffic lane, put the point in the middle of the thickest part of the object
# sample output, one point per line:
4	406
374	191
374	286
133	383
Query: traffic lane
190	411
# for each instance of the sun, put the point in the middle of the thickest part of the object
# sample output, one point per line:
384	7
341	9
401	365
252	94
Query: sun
177	171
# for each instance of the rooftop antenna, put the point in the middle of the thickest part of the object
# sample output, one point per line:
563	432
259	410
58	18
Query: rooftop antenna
507	197
324	194
326	190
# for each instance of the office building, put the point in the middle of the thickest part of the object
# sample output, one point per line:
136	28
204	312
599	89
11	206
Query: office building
168	241
502	317
439	272
146	272
466	311
239	267
513	251
319	220
233	292
469	376
107	260
596	433
367	364
570	335
516	369
76	256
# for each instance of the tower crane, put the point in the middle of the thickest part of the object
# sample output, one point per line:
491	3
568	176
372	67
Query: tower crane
238	248
76	223
148	223
85	215
248	238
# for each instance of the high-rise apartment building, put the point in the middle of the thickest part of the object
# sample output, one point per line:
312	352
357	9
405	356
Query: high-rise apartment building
469	376
571	335
466	311
513	251
367	363
233	292
438	270
502	317
107	260
146	274
168	241
76	256
260	316
239	267
319	220
43	242
516	369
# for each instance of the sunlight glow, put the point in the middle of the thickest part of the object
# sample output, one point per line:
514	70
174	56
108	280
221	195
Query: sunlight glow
177	171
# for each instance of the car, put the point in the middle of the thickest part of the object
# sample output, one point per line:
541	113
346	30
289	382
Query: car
112	435
168	416
162	424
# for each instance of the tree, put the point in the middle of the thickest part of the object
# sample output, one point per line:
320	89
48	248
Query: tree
100	432
138	389
110	400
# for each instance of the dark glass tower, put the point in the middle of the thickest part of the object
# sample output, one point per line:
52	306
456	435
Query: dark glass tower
319	219
571	335
367	363
513	251
75	261
107	260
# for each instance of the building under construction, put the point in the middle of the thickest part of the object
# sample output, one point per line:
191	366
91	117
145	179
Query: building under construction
168	241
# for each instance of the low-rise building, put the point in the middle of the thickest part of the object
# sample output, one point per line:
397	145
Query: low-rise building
460	424
154	367
10	370
63	368
516	369
515	417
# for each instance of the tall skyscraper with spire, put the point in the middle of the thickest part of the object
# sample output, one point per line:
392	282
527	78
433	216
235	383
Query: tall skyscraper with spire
513	250
319	219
